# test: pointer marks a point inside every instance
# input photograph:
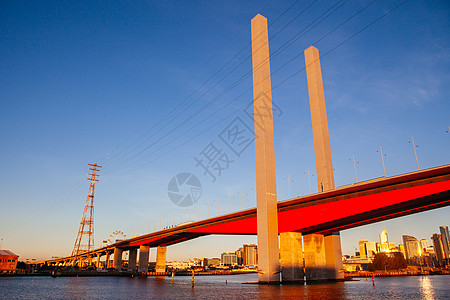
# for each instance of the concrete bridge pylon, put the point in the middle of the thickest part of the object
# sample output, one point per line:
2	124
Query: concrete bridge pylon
327	265
266	191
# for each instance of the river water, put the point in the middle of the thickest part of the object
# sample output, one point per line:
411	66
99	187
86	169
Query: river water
219	287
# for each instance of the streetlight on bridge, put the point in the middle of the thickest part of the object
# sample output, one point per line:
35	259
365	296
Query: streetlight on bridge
415	153
354	166
382	160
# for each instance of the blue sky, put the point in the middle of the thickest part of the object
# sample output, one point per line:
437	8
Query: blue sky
143	87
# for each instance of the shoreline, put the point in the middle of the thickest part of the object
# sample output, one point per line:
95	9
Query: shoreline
400	273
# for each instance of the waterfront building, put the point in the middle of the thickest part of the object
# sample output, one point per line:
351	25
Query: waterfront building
367	249
215	261
423	244
382	248
229	259
384	237
362	248
240	254
445	240
439	249
392	247
412	247
355	264
8	261
250	255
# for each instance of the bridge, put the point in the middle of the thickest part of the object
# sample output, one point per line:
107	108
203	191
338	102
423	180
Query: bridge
322	213
307	227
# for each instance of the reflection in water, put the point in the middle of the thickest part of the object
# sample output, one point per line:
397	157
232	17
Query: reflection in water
427	288
311	291
219	287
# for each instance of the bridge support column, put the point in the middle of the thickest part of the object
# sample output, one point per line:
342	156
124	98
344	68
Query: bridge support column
132	260
266	190
161	253
333	255
315	257
97	262
144	252
117	263
291	254
108	257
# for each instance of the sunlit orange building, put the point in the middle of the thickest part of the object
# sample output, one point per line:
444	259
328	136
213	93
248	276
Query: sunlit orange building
8	261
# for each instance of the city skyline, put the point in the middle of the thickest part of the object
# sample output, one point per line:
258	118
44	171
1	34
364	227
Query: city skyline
89	84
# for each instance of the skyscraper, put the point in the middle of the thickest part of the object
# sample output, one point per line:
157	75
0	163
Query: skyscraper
423	244
412	247
439	249
229	259
445	240
367	249
250	255
384	237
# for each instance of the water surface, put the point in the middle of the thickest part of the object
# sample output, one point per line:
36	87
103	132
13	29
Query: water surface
219	287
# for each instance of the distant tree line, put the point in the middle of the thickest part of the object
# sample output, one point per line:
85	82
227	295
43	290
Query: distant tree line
383	262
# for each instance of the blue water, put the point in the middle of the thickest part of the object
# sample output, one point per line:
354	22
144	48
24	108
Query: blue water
216	287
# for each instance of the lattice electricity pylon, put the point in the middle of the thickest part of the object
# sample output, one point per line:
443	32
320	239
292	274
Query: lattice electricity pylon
85	237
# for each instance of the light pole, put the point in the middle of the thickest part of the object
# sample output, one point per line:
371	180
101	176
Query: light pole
309	179
289	185
354	166
415	153
382	160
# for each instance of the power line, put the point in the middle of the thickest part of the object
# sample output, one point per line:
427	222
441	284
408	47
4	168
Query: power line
295	73
241	79
212	76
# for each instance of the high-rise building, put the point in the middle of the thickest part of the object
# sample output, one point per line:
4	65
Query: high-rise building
445	240
367	249
239	254
384	237
439	249
382	247
228	259
392	247
250	255
423	244
412	247
362	248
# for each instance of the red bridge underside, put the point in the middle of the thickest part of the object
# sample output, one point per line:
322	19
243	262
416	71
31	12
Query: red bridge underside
327	212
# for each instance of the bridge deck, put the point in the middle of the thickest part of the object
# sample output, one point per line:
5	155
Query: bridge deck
343	208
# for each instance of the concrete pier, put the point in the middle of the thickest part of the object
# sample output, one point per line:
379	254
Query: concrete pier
132	256
333	255
97	262
144	253
117	262
291	254
161	253
108	257
315	257
266	194
332	265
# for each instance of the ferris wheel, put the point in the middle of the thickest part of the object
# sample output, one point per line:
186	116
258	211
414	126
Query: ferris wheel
115	237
